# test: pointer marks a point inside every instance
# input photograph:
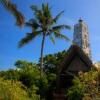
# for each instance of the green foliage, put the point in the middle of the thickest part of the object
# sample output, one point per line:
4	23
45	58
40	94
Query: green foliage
10	74
29	73
52	62
76	91
85	87
12	90
32	92
30	77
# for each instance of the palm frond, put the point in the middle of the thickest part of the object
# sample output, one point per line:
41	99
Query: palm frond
38	13
46	10
58	16
59	27
57	34
34	8
32	23
14	11
40	17
52	39
28	38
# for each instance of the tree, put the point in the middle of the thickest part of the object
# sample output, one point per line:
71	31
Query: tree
29	75
52	61
11	74
14	11
43	24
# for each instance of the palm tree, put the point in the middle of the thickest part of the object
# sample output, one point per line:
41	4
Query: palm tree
14	11
45	25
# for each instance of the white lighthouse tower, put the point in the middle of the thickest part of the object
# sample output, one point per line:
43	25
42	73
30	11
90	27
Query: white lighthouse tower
81	37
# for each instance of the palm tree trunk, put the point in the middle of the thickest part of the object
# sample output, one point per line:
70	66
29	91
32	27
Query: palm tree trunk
41	62
41	58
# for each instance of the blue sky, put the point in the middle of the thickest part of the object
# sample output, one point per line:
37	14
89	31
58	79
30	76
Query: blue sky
10	34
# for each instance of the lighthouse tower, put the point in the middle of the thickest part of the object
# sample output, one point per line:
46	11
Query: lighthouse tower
81	37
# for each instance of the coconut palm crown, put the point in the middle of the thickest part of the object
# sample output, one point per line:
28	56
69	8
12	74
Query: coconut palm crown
44	24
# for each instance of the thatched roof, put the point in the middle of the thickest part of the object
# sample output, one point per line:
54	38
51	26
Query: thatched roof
73	51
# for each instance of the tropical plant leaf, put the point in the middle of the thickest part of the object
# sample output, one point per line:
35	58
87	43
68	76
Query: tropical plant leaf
34	8
32	23
52	39
38	13
28	38
61	36
46	10
58	16
14	11
59	27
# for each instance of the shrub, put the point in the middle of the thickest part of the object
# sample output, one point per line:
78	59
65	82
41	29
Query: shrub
12	90
85	87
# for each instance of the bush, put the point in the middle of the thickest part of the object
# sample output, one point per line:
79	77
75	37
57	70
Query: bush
11	90
85	87
76	92
32	93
